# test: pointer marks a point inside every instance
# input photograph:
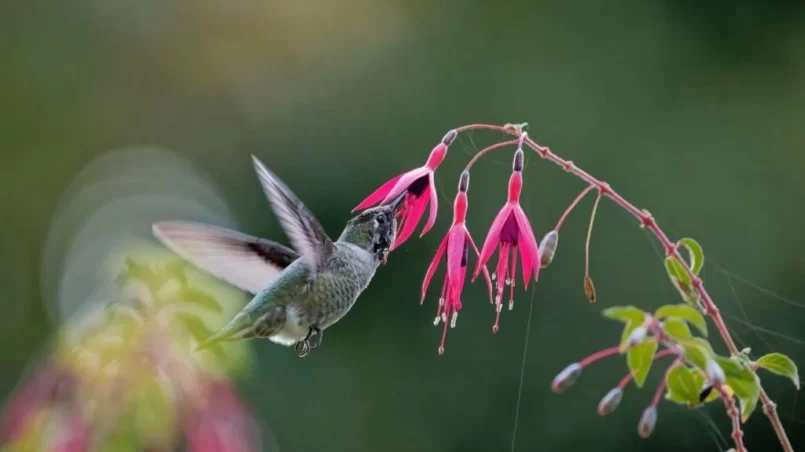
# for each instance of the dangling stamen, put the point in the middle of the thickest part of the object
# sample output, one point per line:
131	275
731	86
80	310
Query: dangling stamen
513	274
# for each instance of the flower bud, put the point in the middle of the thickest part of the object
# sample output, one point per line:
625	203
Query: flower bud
636	337
566	378
517	165
449	137
464	182
647	422
715	373
548	248
610	402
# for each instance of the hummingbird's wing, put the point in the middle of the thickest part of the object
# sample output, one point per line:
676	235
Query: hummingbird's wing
249	263
302	228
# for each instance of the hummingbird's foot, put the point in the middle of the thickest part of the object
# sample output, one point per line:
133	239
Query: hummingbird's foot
302	348
314	337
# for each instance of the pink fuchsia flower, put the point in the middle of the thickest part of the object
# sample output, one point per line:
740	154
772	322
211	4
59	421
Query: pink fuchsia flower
222	424
419	183
511	231
456	243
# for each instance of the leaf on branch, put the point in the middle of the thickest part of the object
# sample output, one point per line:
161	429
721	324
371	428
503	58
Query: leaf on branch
630	315
686	312
747	389
696	254
676	328
639	359
681	280
779	364
682	386
697	351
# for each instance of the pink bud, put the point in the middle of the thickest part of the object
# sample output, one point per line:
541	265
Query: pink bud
464	182
517	165
610	402
566	378
715	373
548	248
449	137
647	422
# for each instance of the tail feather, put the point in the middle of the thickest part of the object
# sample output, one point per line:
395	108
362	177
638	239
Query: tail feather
233	331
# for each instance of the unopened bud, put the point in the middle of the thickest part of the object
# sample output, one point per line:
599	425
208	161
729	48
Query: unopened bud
610	402
589	288
449	137
566	378
464	182
647	422
715	373
518	160
637	336
548	248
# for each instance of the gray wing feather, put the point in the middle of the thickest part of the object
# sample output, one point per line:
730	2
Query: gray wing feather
303	229
249	263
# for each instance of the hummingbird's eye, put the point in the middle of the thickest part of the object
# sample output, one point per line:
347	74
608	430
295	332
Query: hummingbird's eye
380	220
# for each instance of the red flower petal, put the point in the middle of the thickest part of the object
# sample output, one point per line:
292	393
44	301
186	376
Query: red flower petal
457	240
404	182
434	205
432	268
378	194
492	238
529	251
415	209
486	271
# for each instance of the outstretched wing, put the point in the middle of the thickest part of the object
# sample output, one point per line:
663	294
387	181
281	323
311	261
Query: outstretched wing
249	263
302	228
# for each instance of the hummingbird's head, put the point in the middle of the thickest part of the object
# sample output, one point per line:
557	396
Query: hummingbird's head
375	229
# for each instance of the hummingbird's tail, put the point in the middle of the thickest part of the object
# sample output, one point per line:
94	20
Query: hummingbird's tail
233	331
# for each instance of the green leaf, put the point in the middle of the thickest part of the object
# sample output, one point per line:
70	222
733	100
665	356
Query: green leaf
625	314
682	386
696	254
747	390
199	298
639	359
779	364
731	366
697	351
676	271
683	311
676	328
632	316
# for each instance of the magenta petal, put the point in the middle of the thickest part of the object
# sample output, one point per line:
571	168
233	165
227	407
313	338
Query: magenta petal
455	252
432	268
404	182
378	194
414	214
492	238
434	205
486	271
529	251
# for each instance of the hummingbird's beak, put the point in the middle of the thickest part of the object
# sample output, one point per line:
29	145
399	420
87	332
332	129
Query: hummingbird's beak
398	201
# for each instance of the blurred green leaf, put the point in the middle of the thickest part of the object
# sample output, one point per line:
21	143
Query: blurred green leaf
747	390
731	366
639	359
152	415
676	328
779	364
196	327
630	315
676	271
683	311
696	254
697	351
682	386
198	298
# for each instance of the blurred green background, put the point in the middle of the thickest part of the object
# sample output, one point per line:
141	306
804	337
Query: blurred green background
693	111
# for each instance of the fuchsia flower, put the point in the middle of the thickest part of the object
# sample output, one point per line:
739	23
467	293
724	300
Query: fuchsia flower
223	424
456	242
420	185
512	231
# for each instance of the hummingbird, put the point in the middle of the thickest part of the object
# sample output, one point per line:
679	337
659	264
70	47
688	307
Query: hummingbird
299	292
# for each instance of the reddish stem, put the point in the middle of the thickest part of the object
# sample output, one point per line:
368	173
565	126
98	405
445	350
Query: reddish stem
661	387
735	415
601	354
647	221
490	149
572	206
